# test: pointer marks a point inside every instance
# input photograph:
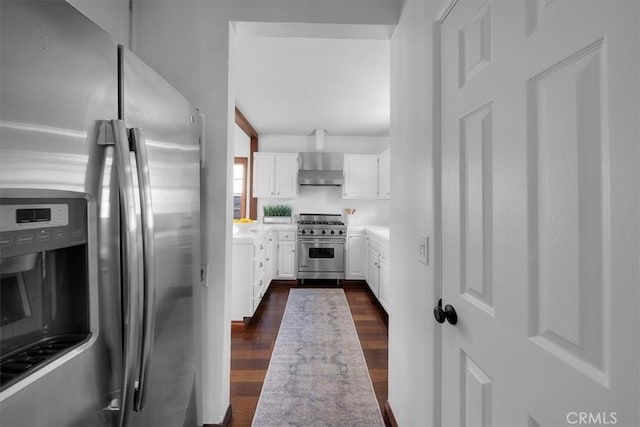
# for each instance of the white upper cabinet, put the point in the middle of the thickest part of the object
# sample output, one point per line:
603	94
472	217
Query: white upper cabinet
286	182
367	176
263	175
275	175
360	176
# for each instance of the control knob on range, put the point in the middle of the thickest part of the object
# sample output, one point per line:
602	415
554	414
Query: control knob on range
304	232
333	231
341	232
324	232
311	232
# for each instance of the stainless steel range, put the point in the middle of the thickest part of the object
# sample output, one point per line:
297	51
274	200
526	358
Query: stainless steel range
321	239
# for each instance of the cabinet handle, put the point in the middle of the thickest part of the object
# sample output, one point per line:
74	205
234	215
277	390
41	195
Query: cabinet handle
261	265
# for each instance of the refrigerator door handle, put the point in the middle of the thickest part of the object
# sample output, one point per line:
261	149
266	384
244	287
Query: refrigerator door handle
148	263
114	132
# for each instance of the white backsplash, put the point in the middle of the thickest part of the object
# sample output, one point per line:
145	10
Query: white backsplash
329	200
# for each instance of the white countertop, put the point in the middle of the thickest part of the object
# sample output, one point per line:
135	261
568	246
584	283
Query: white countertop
377	230
249	235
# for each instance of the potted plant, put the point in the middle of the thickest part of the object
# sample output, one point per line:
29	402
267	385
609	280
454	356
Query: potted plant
277	214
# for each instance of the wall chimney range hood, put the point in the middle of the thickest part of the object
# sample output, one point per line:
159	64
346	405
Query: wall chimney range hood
321	169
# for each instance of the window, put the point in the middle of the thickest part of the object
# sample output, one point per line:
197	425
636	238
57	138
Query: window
239	187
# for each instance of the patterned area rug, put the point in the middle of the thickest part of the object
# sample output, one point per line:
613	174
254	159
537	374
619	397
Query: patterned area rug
317	375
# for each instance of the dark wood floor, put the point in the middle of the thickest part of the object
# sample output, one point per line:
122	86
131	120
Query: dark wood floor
251	348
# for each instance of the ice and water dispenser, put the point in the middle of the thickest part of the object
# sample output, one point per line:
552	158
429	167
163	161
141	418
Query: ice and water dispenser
44	283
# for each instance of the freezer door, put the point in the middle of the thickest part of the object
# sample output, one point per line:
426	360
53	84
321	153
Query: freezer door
168	126
58	79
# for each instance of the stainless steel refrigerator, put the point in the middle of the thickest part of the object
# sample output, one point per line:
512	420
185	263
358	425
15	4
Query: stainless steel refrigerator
99	229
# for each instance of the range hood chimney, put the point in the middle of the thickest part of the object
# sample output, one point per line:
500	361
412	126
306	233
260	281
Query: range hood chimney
318	168
320	139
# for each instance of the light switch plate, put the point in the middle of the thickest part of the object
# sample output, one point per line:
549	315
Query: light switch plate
422	243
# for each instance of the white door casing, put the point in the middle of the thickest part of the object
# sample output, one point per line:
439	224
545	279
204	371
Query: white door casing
540	212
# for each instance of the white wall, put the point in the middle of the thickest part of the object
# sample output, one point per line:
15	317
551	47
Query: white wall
329	199
112	16
241	143
188	43
413	334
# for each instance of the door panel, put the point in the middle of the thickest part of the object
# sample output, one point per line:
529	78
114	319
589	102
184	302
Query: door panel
170	126
476	283
540	211
567	230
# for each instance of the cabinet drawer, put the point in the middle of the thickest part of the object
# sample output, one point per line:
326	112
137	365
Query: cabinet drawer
259	247
259	285
286	235
259	267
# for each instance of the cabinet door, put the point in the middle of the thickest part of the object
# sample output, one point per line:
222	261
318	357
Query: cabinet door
242	282
357	257
374	271
360	176
286	260
263	175
268	259
384	175
286	182
383	283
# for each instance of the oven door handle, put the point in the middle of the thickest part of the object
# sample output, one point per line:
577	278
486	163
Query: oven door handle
320	240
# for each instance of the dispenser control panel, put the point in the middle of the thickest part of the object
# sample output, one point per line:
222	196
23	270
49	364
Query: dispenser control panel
25	217
32	225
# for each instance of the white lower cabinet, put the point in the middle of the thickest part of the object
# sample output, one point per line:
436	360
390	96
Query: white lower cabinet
286	266
251	274
378	273
269	257
357	255
374	271
383	282
286	269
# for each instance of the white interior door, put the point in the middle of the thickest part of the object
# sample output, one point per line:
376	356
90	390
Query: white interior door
540	212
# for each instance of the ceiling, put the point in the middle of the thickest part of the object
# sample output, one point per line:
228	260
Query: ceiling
291	79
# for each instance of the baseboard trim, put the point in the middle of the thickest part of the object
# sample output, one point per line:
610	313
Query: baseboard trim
388	414
226	421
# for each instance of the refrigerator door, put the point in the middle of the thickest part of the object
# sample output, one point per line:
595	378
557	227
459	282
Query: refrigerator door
58	79
163	122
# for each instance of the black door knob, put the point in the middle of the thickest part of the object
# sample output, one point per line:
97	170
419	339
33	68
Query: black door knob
448	313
